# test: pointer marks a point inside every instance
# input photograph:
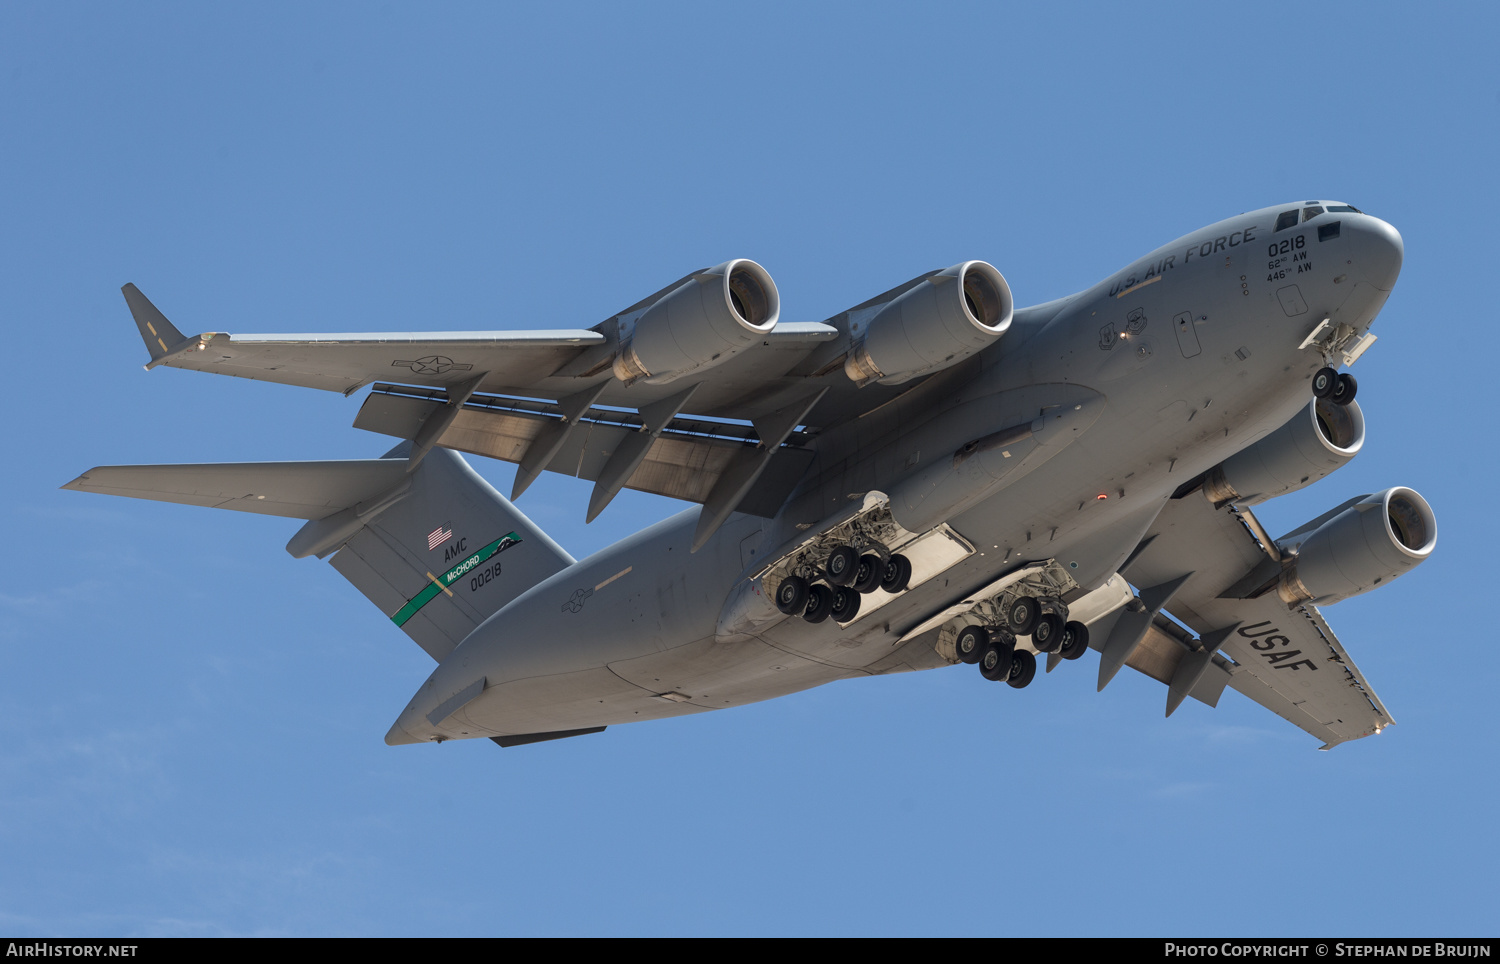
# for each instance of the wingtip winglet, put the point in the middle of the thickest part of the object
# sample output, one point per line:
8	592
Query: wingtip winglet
159	334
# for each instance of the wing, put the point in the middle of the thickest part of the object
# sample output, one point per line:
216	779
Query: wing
550	400
1288	660
536	364
345	362
530	397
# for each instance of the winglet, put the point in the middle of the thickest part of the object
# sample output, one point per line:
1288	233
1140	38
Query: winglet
159	334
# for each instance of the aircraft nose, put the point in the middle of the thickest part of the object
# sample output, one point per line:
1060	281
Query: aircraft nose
1378	251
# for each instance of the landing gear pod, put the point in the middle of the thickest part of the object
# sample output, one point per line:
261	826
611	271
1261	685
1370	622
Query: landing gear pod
699	324
1322	437
1367	545
940	322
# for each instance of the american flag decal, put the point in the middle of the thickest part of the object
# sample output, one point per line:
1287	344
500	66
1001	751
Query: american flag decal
437	537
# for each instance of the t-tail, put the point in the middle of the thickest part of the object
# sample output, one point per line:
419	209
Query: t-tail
435	547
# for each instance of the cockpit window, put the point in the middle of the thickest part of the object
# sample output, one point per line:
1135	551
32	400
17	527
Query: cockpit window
1309	213
1340	208
1286	219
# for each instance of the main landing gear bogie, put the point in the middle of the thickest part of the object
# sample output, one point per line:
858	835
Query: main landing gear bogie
1339	389
816	602
864	571
835	590
994	649
845	576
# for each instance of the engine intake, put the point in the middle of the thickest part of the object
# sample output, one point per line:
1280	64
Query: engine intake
1316	441
941	321
700	323
1366	545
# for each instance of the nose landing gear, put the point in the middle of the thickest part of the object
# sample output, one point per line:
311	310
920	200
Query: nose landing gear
1337	388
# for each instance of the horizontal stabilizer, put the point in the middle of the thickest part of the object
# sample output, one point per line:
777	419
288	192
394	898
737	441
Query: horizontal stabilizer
436	548
296	490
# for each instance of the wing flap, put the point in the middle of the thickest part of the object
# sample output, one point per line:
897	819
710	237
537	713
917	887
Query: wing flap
684	462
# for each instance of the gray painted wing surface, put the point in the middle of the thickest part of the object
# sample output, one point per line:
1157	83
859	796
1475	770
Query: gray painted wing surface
344	362
535	364
297	490
1289	660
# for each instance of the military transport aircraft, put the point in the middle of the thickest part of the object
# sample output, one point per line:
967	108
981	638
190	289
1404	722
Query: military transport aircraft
926	479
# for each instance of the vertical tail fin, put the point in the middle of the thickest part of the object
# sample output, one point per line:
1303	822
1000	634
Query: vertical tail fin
435	547
446	554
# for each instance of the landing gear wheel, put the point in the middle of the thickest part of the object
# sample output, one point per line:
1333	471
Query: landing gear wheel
845	604
1022	669
1343	392
1023	614
867	576
896	575
996	662
971	643
819	603
1325	380
842	565
1075	641
791	595
1047	634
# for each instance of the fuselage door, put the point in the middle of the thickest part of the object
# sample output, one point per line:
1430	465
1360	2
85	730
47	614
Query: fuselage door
1187	334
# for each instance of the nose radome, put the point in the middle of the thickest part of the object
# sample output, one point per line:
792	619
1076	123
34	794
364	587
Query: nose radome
1378	252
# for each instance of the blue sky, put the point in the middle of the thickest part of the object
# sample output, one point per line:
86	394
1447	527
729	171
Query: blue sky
191	721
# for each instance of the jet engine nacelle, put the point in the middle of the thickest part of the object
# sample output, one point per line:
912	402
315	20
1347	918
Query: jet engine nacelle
941	321
702	322
1319	439
1366	545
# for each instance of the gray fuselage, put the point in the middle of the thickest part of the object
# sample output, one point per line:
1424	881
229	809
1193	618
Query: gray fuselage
1191	354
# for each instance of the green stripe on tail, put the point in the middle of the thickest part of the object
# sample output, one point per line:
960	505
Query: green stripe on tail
430	591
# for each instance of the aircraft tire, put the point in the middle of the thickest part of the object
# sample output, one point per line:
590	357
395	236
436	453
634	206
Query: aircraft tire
1324	381
996	662
845	604
1343	392
1075	640
819	603
1047	634
1022	669
842	566
971	643
1023	616
791	596
871	569
896	575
